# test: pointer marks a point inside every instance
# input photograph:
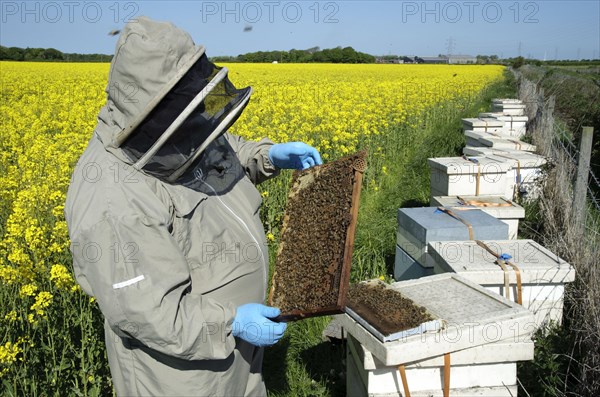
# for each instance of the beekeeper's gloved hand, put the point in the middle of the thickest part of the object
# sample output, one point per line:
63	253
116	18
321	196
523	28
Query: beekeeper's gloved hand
294	155
252	323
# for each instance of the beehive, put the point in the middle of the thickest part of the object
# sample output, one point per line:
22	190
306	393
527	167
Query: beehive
499	207
312	268
525	172
542	274
451	176
481	370
486	124
514	126
418	226
509	106
468	311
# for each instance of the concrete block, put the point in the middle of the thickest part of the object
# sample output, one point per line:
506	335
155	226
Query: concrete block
510	213
452	176
473	316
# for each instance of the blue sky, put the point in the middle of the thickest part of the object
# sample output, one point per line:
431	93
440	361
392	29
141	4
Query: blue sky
547	29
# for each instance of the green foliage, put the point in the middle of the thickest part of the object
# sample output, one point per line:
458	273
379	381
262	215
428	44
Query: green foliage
48	55
545	376
332	55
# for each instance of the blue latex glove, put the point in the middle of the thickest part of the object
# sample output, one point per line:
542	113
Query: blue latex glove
294	155
252	324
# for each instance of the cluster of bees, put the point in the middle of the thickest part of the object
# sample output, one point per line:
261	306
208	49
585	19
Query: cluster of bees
384	308
308	269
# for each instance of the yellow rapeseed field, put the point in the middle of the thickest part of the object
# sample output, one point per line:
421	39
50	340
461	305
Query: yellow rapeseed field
48	113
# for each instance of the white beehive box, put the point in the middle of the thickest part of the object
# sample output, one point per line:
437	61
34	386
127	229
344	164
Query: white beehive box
543	274
514	126
525	173
508	106
478	368
486	124
418	226
498	206
451	176
473	316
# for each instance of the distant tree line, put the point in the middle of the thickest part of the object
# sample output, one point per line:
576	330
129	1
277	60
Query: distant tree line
48	55
316	55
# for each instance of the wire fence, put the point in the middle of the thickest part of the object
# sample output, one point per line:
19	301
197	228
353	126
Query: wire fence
572	152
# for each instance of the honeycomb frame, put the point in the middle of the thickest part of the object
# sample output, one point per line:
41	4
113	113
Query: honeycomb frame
312	273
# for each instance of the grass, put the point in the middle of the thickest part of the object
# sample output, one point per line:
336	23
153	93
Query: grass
302	364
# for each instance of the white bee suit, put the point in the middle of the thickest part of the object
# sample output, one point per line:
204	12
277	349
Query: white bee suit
169	239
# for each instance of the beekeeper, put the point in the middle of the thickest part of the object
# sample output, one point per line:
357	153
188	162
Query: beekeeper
164	222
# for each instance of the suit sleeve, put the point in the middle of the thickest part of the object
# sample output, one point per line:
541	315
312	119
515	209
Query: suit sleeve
141	281
254	157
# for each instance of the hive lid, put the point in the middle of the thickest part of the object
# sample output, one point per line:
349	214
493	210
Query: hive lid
507	101
484	151
473	317
430	224
469	166
537	264
520	158
312	268
485	134
506	118
483	122
508	143
498	206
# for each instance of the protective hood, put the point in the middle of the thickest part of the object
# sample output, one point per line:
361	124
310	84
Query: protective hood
166	102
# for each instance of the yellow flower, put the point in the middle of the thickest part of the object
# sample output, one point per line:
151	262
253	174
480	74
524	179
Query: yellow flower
42	301
9	353
265	194
11	316
270	237
28	290
61	277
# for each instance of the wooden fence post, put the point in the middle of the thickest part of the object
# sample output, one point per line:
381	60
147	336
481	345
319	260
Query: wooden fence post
581	183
